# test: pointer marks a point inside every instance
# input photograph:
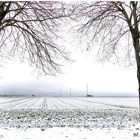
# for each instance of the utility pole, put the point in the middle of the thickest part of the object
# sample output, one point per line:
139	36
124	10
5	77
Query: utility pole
70	92
87	90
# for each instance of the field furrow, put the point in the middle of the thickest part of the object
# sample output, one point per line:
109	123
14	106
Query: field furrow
71	112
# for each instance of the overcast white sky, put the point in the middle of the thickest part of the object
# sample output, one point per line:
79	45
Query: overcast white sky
100	78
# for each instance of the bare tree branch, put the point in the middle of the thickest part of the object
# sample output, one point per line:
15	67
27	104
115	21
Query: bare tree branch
31	29
112	23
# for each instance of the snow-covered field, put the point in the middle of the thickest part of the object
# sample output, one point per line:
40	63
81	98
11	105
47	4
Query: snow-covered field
69	118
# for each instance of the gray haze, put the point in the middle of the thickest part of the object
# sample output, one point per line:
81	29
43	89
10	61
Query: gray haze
102	79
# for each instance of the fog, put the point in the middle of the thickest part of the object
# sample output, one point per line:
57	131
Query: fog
98	79
102	79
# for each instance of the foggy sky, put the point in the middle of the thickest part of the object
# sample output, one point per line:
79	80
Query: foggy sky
102	79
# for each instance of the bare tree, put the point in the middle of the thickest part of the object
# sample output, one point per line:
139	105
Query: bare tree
29	29
112	24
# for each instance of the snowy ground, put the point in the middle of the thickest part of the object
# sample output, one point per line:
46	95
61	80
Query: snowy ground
75	118
65	133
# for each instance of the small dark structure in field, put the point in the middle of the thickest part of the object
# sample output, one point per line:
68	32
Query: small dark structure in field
89	95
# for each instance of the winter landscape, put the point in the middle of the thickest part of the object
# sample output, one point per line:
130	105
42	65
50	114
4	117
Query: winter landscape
69	70
69	118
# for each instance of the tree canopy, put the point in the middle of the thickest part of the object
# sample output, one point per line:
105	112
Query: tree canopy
29	30
108	26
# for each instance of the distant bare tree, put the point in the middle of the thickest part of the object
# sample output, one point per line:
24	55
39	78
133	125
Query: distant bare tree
29	29
112	23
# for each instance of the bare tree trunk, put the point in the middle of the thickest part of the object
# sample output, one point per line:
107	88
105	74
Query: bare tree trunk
138	74
136	44
134	28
